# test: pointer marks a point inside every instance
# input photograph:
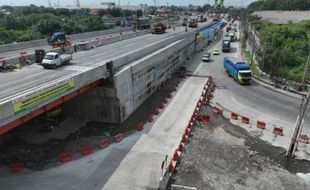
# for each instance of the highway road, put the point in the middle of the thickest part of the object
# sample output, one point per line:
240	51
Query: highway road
31	50
255	101
31	76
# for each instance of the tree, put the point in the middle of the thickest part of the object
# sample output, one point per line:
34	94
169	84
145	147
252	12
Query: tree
206	7
200	9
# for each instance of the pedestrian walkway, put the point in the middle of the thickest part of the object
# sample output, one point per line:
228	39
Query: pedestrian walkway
141	167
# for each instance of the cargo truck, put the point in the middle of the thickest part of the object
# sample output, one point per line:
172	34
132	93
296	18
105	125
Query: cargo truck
232	36
237	69
53	60
193	23
226	44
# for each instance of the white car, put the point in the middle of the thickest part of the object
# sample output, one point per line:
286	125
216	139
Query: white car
206	57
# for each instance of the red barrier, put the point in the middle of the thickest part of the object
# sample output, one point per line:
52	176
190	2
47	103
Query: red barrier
174	88
206	118
104	143
304	139
161	105
169	96
186	130
86	150
183	138
156	111
150	119
175	156
23	53
165	101
140	126
65	157
278	131
2	57
261	125
245	120
189	125
119	137
17	167
180	147
216	110
234	116
170	166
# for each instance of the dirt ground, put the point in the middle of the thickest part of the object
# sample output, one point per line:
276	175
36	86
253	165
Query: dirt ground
222	156
40	150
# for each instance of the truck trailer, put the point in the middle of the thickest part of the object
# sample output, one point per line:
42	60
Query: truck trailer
238	69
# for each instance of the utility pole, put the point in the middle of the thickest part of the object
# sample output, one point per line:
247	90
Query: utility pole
300	118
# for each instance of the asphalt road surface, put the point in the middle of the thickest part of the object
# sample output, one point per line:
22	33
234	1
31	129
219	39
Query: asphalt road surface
254	99
34	75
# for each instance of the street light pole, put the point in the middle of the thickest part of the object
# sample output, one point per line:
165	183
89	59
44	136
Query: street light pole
300	117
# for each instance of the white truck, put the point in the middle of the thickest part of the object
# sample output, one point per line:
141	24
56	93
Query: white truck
53	60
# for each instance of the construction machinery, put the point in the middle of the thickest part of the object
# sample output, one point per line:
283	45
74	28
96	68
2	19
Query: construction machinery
159	28
58	39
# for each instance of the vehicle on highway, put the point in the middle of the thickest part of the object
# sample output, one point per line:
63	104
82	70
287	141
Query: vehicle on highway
216	52
238	69
206	57
143	23
193	23
226	44
232	36
53	60
184	23
58	39
159	28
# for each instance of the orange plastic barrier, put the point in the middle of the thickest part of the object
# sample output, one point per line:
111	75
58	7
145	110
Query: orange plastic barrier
17	167
170	166
189	125
161	105
278	131
156	111
86	150
261	125
183	138
165	100
174	88
304	139
65	157
186	130
216	110
175	156
234	116
206	118
140	126
119	137
180	147
150	119
23	53
245	120
104	143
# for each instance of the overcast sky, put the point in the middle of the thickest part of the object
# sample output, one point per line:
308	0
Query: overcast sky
124	2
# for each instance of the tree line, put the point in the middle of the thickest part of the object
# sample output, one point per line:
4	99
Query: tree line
32	22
